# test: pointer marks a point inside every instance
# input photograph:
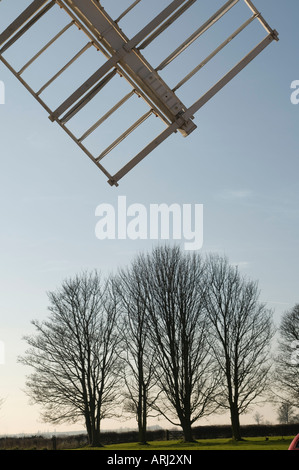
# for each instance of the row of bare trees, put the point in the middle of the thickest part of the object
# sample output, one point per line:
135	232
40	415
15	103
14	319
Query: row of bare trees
286	394
173	334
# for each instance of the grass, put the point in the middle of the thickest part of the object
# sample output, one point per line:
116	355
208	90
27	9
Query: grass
258	443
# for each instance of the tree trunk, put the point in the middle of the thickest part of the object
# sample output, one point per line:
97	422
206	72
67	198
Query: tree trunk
235	423
142	434
96	441
140	426
142	415
95	438
187	430
93	432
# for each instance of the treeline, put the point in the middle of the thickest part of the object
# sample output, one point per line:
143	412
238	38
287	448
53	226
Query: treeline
199	432
174	334
39	442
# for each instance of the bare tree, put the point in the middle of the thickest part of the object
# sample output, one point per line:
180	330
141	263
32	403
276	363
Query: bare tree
258	417
287	361
178	333
138	360
286	413
74	355
240	338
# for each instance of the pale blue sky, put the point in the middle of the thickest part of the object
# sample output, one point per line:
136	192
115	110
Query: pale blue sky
241	164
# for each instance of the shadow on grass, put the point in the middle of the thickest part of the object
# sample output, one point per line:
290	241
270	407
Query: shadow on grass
263	443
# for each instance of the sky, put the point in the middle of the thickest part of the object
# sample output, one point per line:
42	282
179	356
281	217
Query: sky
240	164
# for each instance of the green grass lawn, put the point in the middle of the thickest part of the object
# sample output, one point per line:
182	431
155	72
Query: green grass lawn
273	443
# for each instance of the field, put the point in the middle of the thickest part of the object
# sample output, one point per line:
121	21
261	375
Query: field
272	443
174	445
